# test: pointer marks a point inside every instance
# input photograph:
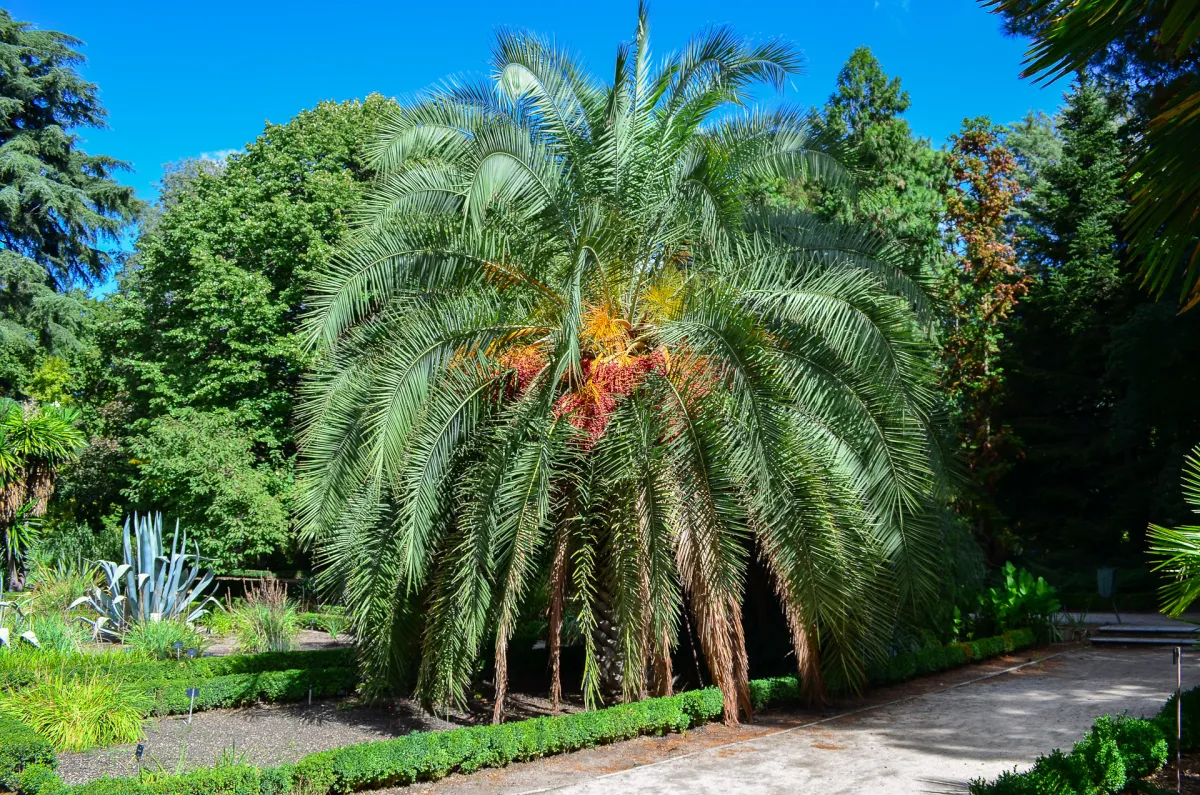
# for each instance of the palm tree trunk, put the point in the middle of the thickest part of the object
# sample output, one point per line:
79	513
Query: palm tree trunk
608	649
558	589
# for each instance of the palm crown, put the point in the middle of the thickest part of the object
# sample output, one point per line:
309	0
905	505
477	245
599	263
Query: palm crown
563	356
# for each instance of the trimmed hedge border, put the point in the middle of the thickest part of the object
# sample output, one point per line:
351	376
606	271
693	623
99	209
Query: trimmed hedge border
21	747
425	756
235	690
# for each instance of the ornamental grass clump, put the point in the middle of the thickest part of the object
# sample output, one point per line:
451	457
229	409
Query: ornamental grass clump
267	620
157	639
76	714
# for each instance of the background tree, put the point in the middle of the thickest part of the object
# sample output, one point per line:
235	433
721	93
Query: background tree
980	292
59	206
1152	50
201	465
900	179
200	354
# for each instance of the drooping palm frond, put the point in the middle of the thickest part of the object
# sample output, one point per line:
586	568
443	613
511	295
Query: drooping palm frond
563	352
1177	549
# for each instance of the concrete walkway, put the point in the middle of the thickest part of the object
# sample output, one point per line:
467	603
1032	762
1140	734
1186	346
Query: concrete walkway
933	737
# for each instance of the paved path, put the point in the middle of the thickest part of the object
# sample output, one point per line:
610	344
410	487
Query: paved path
939	735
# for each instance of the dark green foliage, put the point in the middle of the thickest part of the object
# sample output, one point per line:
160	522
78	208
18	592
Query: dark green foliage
1149	50
903	667
39	778
1070	220
238	690
58	204
20	747
434	755
1098	377
1115	750
1165	720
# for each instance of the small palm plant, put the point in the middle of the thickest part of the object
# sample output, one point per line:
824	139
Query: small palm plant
34	442
566	349
1177	549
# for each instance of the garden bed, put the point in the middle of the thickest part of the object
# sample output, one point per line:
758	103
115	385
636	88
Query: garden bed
274	734
415	755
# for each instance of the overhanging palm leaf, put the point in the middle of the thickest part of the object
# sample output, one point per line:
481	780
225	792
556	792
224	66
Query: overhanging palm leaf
562	350
1178	548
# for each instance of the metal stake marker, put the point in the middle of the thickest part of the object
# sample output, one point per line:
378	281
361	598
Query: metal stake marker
1178	719
192	693
178	647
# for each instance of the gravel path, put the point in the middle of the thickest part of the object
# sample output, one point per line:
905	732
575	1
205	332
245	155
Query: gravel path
305	640
931	735
265	735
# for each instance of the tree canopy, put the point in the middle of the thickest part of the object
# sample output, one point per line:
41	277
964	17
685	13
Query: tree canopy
58	204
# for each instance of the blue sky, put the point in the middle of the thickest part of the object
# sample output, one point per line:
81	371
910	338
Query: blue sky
181	79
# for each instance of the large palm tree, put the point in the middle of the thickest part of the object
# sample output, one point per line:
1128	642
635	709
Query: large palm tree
564	356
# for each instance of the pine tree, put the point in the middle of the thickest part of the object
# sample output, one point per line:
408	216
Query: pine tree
1097	372
58	204
900	178
1073	212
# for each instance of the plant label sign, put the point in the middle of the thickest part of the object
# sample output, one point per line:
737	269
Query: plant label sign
192	692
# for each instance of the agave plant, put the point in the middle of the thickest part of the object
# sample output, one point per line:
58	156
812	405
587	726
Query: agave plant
150	585
7	632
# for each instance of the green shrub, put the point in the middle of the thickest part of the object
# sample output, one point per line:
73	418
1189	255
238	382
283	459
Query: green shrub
1165	720
39	780
170	697
432	755
21	666
1020	601
21	747
903	667
1115	750
81	713
157	639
